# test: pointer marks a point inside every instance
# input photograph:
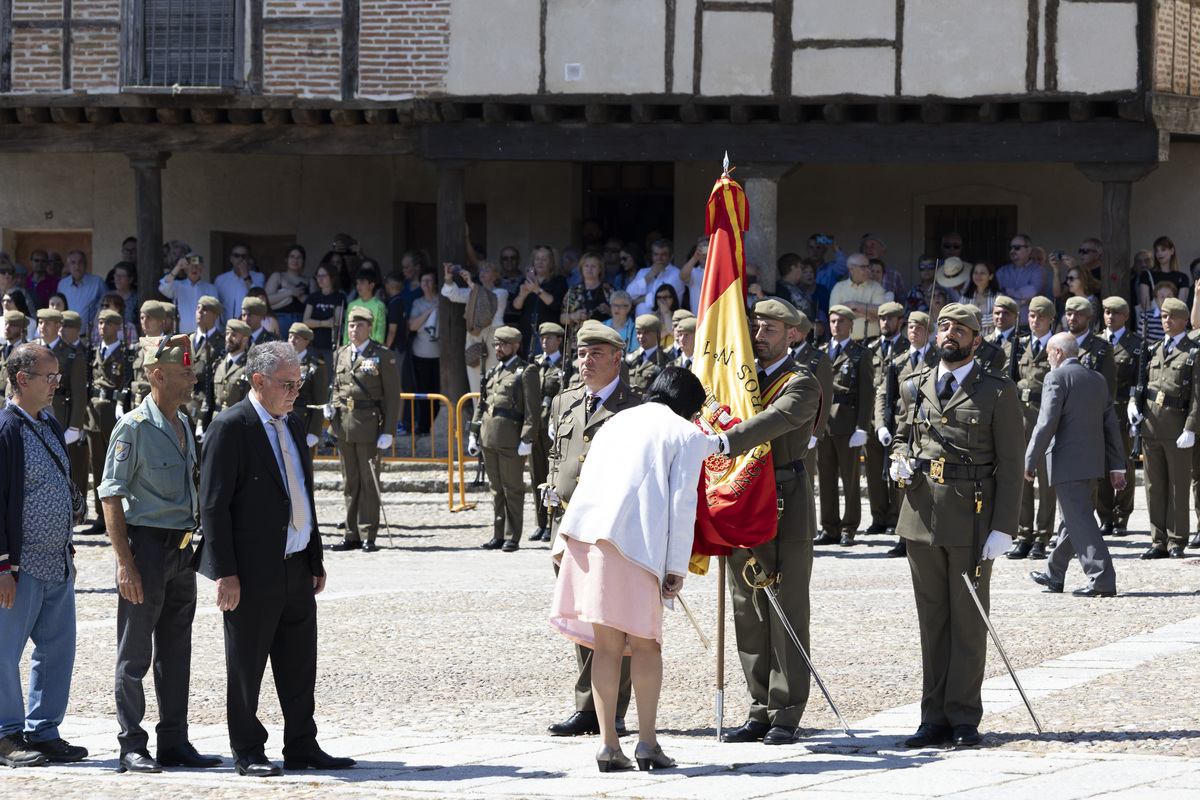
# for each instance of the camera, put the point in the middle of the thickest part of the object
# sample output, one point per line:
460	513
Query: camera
1057	255
455	269
824	240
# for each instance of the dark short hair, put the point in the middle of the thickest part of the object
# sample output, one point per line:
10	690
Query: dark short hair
785	263
24	358
677	389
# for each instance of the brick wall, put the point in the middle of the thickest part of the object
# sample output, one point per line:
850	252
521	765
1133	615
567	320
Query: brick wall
1177	47
302	8
95	9
37	61
304	63
95	60
404	47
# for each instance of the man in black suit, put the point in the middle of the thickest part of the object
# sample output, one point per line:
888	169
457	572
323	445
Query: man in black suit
264	551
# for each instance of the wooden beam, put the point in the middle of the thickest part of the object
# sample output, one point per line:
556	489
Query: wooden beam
544	113
345	116
137	115
99	115
791	113
643	113
450	112
172	116
206	116
836	113
33	115
693	114
147	192
378	116
598	113
66	115
276	116
887	113
451	223
496	112
1031	112
990	112
308	116
265	139
935	113
1081	110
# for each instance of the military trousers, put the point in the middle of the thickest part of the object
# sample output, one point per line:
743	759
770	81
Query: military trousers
77	454
506	476
156	632
882	495
1168	474
1031	526
98	447
539	469
1116	507
360	465
836	459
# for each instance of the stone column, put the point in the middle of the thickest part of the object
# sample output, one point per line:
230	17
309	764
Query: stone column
451	238
761	182
147	192
1115	205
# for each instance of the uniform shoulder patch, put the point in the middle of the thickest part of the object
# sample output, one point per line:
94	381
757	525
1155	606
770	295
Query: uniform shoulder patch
121	450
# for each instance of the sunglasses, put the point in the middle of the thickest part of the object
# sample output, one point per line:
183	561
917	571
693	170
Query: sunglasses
1083	251
1012	247
288	386
952	245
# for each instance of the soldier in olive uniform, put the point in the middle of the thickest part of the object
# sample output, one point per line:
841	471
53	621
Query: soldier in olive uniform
78	453
777	680
70	397
1094	351
685	341
15	324
882	496
314	394
171	322
230	382
153	316
208	348
1115	507
109	396
253	311
676	349
364	410
550	367
849	417
1169	426
961	482
575	417
506	421
989	354
816	361
1034	533
648	360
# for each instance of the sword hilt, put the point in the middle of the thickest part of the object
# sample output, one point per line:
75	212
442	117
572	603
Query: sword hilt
762	583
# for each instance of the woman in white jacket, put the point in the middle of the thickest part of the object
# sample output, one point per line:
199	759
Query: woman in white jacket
623	550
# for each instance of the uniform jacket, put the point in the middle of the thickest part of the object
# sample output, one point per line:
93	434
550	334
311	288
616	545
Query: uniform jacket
231	384
573	436
817	362
71	396
110	380
204	362
509	410
371	384
314	392
901	345
902	364
853	390
1097	354
1170	379
643	372
992	356
551	378
1032	372
1075	408
1125	352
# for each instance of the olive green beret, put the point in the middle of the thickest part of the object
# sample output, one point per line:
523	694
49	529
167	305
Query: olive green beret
302	330
507	334
210	303
805	323
254	305
169	308
154	310
1004	301
238	326
71	319
777	309
15	317
177	351
1042	306
358	312
647	322
843	311
52	314
891	310
1079	304
921	318
957	312
1117	304
951	273
1175	307
687	325
108	315
599	334
974	309
681	313
551	329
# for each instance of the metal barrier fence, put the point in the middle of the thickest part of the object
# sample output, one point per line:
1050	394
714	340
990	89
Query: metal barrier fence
458	436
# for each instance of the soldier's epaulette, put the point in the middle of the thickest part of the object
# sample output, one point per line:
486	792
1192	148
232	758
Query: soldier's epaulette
994	373
634	358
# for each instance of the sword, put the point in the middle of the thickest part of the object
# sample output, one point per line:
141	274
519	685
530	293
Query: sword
996	640
767	586
704	640
379	494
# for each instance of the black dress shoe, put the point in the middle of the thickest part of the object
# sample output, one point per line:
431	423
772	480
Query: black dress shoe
1020	551
847	540
1195	542
256	766
781	734
492	544
138	761
341	526
370	547
966	736
1119	530
345	544
95	530
1153	553
899	551
510	546
828	537
317	759
1092	592
752	731
59	750
930	735
1037	551
581	723
185	755
1043	579
875	528
1176	552
1107	529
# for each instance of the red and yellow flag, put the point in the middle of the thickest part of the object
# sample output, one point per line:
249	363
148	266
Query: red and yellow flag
737	495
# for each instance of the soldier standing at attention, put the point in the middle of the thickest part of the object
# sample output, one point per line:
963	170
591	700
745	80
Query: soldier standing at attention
314	394
507	418
253	311
961	468
70	398
15	324
1095	352
550	367
78	452
575	417
685	341
1115	507
882	496
364	410
109	396
989	354
1034	534
230	384
816	361
648	360
153	315
208	348
150	488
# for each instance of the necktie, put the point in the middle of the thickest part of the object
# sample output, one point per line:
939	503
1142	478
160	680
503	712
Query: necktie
298	502
687	363
1168	346
885	350
947	390
835	351
762	381
915	358
589	408
1037	348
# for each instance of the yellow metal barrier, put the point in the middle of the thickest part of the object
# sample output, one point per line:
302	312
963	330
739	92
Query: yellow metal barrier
458	436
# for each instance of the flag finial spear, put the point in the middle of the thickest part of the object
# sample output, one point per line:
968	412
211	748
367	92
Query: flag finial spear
725	165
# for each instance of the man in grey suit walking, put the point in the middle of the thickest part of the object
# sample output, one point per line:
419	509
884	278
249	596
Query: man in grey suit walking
1075	404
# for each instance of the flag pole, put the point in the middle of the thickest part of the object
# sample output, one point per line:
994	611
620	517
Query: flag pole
720	644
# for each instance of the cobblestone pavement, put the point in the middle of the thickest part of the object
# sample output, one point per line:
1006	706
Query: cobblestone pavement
438	670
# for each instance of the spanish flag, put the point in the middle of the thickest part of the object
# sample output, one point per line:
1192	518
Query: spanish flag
737	495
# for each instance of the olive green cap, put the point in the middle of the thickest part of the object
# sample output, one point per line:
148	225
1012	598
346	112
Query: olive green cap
551	329
891	310
681	313
15	317
1117	304
361	312
951	273
805	323
177	351
1079	304
687	325
169	308
976	310
238	326
154	310
302	330
52	314
254	305
921	318
1042	306
599	334
108	315
777	309
1004	301
210	303
1175	307
507	334
647	322
843	311
71	319
957	312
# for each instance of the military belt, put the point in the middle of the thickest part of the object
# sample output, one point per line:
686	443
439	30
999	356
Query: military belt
795	468
941	471
105	394
507	414
1166	401
173	539
352	404
1030	396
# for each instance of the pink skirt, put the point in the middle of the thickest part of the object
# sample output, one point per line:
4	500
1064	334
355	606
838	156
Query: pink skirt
599	586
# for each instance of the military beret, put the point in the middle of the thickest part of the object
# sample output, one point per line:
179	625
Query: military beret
843	311
1175	307
302	330
777	309
15	317
52	314
254	305
210	303
599	334
154	310
891	310
647	322
957	312
1004	301
1042	306
681	313
177	351
169	308
687	325
239	326
974	309
71	319
952	272
921	318
359	312
551	329
507	334
805	324
108	315
1079	304
1117	304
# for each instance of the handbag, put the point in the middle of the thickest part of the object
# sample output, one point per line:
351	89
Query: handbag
481	309
475	353
78	504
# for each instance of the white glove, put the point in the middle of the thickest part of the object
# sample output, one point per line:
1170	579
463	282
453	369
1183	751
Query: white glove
73	435
997	543
383	442
524	448
884	436
119	411
328	411
472	445
311	440
717	443
550	497
1185	440
902	469
1134	416
858	438
812	442
199	431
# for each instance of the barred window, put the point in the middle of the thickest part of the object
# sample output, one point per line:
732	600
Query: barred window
185	44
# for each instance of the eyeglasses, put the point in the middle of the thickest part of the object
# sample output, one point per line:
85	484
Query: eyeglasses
928	266
952	245
288	386
239	255
1012	247
1083	251
52	378
8	272
1072	277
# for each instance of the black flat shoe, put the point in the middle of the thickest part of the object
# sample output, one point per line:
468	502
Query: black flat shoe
1091	592
966	736
876	528
138	761
930	735
256	766
1176	552
847	540
899	551
1020	551
1043	579
1153	553
581	723
345	544
370	547
828	537
317	759
781	734
751	731
510	546
492	544
1037	551
1195	542
185	755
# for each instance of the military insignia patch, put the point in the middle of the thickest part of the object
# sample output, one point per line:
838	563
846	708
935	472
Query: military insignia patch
121	450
